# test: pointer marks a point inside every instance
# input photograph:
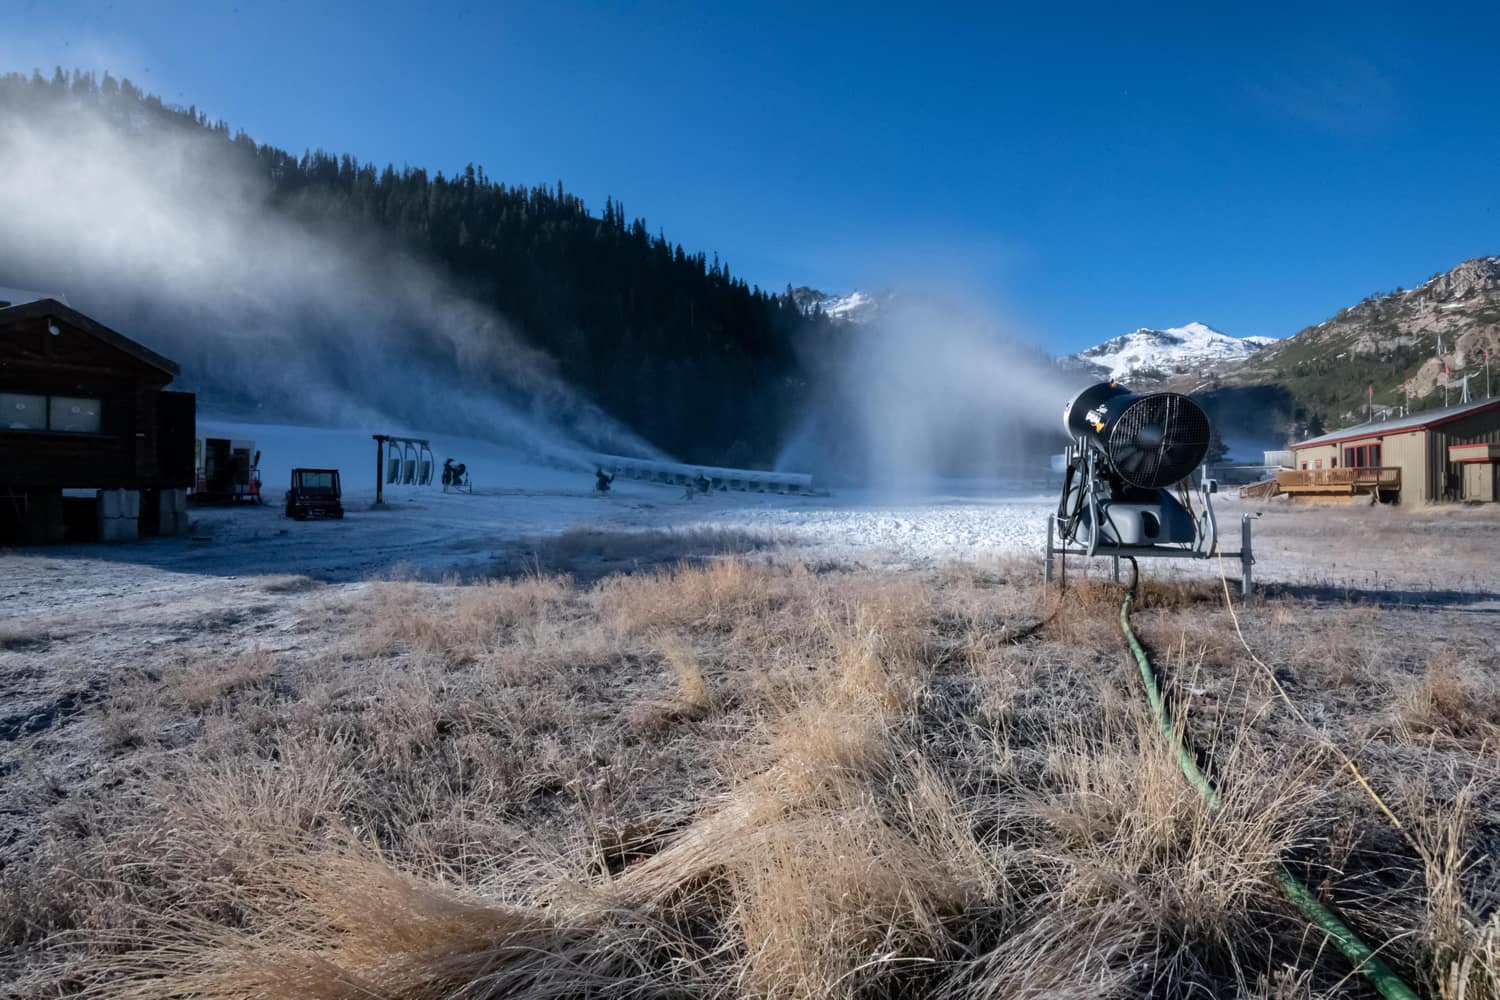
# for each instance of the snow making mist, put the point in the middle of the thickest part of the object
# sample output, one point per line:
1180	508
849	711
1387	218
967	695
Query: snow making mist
169	235
930	389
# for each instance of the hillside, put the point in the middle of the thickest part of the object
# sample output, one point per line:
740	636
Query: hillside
1449	321
665	340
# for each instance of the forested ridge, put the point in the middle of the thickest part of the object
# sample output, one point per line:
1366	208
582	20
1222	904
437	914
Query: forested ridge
668	341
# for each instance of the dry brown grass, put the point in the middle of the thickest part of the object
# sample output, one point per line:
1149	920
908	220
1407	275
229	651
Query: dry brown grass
693	697
743	778
1460	933
1456	701
23	637
289	583
200	682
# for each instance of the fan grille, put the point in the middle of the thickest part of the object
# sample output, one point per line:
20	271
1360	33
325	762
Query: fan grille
1159	440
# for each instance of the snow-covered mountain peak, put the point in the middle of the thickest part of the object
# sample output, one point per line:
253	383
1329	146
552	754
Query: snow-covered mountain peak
1148	352
1192	330
856	307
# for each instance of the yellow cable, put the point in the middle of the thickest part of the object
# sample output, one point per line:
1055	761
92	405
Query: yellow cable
1281	692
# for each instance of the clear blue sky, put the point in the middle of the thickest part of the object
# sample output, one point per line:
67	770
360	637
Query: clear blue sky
1083	171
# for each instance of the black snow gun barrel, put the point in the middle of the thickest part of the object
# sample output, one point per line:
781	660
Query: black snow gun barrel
1149	441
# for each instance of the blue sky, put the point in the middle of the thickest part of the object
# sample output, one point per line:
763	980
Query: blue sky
1081	171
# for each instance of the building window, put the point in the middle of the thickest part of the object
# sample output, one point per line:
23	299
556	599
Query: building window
1317	463
23	413
1304	466
1366	456
67	414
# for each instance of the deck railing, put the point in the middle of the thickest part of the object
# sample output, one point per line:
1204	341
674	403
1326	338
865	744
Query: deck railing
1351	480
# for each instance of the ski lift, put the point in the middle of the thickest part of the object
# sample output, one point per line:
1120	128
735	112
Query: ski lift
401	461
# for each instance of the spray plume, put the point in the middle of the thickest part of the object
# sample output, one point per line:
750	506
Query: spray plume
930	388
168	233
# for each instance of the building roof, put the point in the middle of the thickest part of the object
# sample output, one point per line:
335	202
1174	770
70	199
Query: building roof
66	313
20	296
1401	425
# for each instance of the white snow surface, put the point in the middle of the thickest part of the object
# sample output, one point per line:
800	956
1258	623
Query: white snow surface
519	503
1147	350
856	307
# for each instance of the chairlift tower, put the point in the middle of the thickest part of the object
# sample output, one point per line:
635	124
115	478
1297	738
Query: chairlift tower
1465	386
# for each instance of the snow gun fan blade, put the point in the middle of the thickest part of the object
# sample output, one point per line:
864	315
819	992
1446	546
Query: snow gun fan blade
1158	440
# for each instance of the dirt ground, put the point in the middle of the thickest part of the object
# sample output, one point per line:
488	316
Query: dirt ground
714	764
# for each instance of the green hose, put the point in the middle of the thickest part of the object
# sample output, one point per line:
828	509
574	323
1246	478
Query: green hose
1362	955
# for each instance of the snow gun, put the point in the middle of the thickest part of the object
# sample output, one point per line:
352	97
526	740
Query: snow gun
1126	472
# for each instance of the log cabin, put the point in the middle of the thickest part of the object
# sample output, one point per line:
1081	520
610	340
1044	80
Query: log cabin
93	446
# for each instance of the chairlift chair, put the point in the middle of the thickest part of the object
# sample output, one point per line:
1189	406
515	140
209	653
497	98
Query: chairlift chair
408	463
425	463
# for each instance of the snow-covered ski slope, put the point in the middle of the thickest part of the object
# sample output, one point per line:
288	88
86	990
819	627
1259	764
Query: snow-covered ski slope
519	503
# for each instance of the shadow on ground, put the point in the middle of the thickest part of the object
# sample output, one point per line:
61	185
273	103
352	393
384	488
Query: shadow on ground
587	554
1474	601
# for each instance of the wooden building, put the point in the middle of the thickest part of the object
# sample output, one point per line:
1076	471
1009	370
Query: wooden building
92	445
1436	455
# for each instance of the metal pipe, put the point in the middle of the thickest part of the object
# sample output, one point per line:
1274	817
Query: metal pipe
1047	562
379	466
1247	558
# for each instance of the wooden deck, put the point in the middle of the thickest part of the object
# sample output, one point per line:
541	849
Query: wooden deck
1260	490
1335	484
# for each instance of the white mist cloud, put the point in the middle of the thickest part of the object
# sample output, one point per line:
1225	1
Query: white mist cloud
932	388
167	235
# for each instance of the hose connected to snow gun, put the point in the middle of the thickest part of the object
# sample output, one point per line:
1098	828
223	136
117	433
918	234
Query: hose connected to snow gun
1366	961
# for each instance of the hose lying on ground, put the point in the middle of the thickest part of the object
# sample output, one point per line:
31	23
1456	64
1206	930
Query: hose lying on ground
1366	961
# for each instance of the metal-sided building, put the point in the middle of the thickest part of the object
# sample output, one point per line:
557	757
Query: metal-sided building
92	446
1446	454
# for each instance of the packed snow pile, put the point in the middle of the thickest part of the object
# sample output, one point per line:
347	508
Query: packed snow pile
1147	352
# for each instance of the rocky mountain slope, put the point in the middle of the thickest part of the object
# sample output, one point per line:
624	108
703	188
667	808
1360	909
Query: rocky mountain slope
1445	324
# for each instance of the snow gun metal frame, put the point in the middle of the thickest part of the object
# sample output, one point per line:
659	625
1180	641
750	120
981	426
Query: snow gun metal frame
1127	455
